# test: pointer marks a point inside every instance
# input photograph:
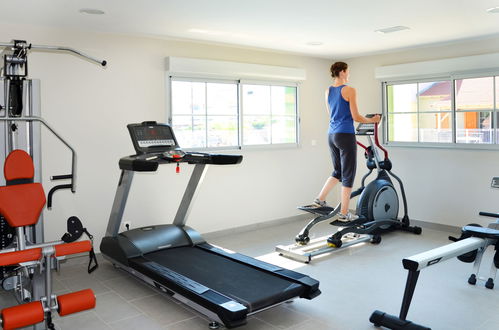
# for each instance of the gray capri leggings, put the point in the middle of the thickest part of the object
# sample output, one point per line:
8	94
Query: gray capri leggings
343	148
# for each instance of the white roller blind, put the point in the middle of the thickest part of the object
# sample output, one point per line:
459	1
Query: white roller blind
439	68
194	67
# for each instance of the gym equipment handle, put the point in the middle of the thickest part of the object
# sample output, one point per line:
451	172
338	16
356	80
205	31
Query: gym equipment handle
52	48
61	177
53	190
488	214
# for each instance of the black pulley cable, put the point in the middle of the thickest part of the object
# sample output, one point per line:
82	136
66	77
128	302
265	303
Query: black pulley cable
75	231
91	254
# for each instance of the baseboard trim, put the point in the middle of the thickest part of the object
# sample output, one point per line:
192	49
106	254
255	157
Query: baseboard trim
301	217
259	225
436	226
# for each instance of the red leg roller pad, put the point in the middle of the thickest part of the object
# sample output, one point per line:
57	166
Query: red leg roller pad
72	248
16	257
22	315
76	302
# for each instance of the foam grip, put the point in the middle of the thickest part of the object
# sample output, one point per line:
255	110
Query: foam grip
16	257
22	315
72	248
76	302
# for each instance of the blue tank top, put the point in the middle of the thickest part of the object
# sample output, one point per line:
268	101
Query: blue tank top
341	120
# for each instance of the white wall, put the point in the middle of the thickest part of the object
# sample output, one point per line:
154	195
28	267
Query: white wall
91	106
444	186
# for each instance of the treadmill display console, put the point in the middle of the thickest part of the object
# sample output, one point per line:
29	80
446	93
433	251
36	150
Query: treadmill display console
151	137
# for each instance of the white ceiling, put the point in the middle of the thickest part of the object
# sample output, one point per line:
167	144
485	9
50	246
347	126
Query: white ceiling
346	28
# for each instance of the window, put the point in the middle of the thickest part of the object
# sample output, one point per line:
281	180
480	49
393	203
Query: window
269	114
204	114
232	114
459	111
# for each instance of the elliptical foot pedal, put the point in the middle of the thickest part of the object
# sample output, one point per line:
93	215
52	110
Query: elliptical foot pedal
314	209
360	221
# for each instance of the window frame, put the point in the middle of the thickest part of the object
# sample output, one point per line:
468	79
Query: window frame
240	110
452	77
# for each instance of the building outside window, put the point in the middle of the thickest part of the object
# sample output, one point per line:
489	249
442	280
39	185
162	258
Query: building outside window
445	111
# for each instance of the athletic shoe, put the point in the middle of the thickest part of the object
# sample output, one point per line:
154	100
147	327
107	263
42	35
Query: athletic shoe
318	203
347	217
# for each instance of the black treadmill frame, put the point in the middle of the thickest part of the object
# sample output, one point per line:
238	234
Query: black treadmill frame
124	254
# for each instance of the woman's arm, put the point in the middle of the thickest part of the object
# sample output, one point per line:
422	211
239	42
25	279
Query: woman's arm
351	96
327	101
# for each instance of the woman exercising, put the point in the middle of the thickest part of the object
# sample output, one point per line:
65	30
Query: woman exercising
341	101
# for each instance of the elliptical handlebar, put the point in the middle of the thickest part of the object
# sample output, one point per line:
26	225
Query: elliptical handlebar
376	141
361	145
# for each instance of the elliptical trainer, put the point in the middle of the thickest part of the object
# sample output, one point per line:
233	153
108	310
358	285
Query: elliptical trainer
377	208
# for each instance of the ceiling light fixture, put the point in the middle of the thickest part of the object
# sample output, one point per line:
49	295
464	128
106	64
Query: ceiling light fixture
91	11
392	29
493	10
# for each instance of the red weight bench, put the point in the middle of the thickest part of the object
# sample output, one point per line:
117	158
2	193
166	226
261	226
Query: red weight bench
21	203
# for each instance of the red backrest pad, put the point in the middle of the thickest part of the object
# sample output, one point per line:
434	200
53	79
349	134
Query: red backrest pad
22	204
18	165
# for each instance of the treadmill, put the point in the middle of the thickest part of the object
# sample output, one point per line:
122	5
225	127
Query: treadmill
225	286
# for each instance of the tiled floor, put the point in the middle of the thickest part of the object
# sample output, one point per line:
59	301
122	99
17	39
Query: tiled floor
354	282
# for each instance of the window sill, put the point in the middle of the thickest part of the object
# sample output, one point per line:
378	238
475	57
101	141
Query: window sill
451	146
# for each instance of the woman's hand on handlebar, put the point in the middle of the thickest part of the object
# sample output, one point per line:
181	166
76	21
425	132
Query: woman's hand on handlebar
375	119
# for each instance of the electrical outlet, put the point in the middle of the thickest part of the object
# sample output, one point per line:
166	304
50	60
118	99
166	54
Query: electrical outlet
127	225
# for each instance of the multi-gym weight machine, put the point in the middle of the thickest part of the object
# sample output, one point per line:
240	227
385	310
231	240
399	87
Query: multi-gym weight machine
20	129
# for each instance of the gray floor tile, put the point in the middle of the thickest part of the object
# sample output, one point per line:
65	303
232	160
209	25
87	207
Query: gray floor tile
58	287
254	323
316	325
7	299
163	309
85	282
113	308
195	323
137	322
129	288
282	317
68	271
81	321
107	271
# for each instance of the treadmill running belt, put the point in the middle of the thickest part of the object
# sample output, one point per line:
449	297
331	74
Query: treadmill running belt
251	287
